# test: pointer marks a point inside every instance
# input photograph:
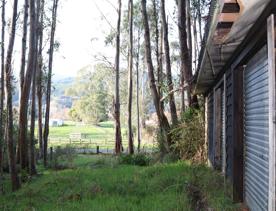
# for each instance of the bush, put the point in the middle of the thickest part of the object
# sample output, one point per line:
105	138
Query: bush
140	159
62	158
189	136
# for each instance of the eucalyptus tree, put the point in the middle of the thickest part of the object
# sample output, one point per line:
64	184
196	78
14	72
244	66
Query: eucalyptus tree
9	78
130	77
49	80
118	135
24	99
162	119
3	11
185	59
40	76
168	65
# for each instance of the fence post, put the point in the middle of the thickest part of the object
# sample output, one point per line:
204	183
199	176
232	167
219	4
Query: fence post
98	150
51	154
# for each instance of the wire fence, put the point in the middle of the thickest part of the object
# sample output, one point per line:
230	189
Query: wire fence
89	145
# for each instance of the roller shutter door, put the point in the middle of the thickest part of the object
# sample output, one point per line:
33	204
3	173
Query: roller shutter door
256	134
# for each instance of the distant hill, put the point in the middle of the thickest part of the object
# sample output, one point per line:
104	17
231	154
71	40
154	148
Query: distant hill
61	84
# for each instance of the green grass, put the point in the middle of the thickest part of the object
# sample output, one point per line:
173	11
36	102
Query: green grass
100	183
101	135
104	129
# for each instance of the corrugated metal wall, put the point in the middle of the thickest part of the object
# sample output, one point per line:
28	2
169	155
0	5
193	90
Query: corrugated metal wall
256	131
229	125
210	104
223	132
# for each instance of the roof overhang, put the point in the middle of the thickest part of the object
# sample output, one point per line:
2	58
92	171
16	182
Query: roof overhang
230	23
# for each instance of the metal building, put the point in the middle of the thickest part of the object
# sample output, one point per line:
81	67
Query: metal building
236	75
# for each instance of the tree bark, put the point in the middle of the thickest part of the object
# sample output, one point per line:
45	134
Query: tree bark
24	44
2	95
137	92
33	109
130	78
23	60
24	100
189	30
168	65
39	80
185	63
118	136
9	78
49	82
155	17
162	119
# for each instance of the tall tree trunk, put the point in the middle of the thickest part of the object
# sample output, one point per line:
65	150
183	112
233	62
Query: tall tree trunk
195	41
23	60
189	32
33	109
118	136
161	75
130	80
39	80
2	136
9	78
185	64
199	20
24	44
168	65
156	18
137	92
24	100
49	82
162	119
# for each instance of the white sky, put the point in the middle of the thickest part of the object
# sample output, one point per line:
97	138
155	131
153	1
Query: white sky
79	24
81	30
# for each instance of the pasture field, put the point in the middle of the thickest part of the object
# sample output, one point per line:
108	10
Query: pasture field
101	135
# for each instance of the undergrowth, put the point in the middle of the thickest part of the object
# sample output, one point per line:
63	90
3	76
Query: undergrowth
102	183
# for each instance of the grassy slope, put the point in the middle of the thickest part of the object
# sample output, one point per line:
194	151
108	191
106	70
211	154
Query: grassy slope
99	183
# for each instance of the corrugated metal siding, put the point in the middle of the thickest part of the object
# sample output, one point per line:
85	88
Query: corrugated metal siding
229	125
256	132
210	128
223	131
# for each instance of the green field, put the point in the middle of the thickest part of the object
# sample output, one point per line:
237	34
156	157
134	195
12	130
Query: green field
102	183
92	135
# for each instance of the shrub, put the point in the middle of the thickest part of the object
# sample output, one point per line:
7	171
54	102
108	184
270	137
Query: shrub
189	136
139	159
63	158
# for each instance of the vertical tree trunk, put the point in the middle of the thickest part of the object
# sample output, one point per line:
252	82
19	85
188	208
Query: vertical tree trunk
199	20
185	64
39	80
49	82
195	41
137	92
118	136
2	95
189	31
33	109
23	59
130	81
9	78
24	100
161	75
155	17
162	119
168	65
24	44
